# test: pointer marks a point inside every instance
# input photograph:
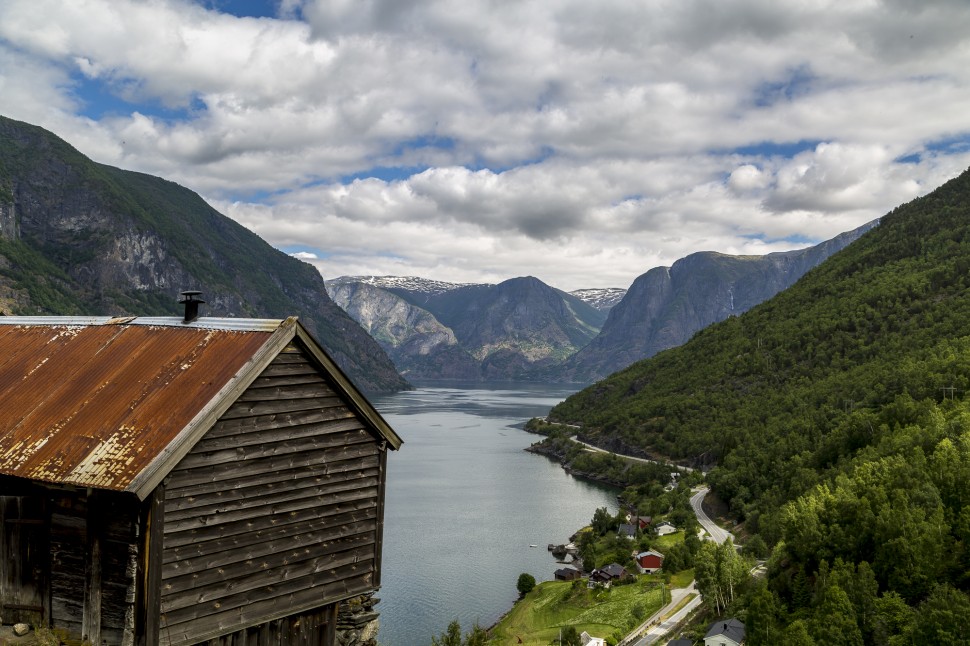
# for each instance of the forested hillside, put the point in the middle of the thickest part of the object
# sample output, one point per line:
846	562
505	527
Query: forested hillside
836	419
78	237
666	306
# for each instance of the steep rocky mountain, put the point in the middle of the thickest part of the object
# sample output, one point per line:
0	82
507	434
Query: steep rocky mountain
418	344
502	331
78	237
666	306
602	299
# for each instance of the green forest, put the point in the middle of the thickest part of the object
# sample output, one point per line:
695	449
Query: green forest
834	422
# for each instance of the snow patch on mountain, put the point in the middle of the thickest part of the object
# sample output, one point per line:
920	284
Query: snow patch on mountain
601	298
409	283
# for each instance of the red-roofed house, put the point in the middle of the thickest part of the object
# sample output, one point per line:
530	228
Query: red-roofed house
649	562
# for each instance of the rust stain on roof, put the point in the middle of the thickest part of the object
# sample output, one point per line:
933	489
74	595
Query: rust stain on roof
92	405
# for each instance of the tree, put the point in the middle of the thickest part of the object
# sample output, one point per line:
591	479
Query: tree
796	634
451	636
477	636
602	521
570	636
942	619
720	573
760	622
525	584
756	547
835	620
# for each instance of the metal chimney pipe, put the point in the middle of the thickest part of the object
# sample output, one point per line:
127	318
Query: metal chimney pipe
191	305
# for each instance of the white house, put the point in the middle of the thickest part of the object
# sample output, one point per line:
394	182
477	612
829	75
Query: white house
665	528
725	632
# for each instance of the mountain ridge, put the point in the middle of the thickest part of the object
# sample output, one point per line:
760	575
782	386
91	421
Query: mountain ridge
666	306
80	237
471	331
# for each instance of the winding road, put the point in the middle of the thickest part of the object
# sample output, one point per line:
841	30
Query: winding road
714	532
654	629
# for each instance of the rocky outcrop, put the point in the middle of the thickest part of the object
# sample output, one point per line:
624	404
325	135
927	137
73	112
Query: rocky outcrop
666	306
494	332
9	226
418	344
357	621
78	237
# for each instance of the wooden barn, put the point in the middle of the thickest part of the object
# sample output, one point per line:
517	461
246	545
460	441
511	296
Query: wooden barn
219	481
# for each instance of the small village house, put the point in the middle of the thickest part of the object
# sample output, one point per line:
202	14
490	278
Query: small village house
649	562
181	481
605	576
665	528
725	632
567	574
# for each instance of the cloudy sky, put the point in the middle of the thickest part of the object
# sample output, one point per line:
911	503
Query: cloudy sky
581	142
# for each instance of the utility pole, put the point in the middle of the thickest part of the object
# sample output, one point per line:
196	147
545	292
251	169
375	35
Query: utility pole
951	389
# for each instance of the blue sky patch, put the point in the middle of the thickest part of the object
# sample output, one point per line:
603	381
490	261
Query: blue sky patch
794	239
99	99
950	145
292	249
244	8
777	149
384	173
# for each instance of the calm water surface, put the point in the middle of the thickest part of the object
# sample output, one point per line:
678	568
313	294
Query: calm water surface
464	504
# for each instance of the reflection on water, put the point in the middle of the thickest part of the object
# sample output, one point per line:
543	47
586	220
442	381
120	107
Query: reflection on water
465	503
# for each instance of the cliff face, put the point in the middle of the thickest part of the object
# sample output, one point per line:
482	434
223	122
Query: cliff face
665	307
418	344
78	237
499	332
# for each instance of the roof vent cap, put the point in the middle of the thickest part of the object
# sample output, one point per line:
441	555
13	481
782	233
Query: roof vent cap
191	301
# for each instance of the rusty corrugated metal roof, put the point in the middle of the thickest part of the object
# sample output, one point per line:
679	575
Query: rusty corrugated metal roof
95	401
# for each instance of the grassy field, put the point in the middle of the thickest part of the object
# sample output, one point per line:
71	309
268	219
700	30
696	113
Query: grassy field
555	604
682	579
663	543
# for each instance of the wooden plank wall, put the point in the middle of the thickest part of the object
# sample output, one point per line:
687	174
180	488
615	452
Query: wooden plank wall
92	540
23	557
275	511
313	628
50	538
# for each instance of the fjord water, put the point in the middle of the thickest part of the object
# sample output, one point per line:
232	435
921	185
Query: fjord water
465	503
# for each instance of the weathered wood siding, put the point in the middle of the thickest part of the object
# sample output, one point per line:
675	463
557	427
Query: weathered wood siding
313	628
71	561
273	514
23	558
93	552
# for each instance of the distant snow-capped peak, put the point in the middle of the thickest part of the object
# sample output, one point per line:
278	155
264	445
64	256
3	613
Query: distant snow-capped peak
409	283
602	298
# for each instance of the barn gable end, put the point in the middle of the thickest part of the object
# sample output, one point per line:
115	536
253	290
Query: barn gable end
275	511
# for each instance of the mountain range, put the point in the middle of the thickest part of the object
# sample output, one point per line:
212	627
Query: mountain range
435	330
82	238
526	330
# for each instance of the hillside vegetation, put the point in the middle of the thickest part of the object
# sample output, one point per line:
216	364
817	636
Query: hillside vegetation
836	422
78	237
